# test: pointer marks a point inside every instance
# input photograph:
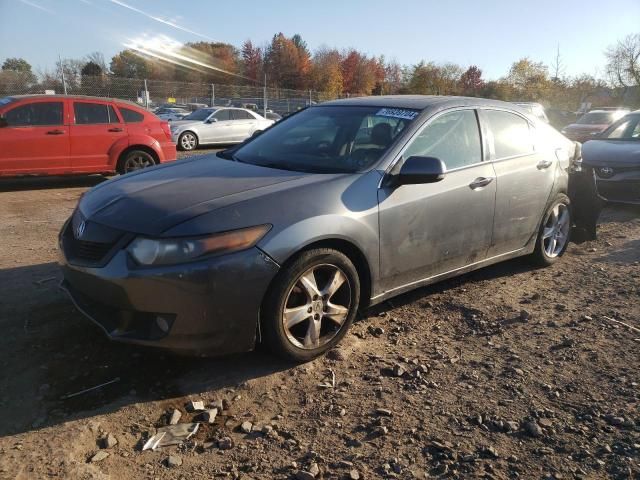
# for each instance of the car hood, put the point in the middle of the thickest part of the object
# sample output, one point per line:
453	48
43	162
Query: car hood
150	202
581	128
613	153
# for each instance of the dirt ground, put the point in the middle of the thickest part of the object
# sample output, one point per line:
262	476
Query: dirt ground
508	372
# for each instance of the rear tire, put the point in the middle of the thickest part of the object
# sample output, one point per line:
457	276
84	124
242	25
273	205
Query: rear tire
554	232
135	160
188	141
311	305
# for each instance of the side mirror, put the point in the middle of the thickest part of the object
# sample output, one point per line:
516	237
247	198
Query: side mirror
3	122
211	120
417	170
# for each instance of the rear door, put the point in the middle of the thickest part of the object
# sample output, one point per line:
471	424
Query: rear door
525	178
243	124
96	127
36	139
430	229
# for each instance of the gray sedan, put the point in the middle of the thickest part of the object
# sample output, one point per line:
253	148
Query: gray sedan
338	207
216	125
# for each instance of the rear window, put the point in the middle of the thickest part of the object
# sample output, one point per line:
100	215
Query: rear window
511	134
131	116
94	113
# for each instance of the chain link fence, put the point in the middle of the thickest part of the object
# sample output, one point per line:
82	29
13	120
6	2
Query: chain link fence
153	93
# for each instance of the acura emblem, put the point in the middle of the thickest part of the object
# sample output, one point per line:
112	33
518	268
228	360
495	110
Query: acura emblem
80	229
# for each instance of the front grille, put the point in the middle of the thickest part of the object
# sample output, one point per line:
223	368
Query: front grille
90	251
96	246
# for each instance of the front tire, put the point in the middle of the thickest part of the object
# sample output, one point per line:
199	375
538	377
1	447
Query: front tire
311	305
555	229
188	141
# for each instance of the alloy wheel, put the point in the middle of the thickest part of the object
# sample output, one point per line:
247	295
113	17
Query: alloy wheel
188	141
556	230
316	307
136	162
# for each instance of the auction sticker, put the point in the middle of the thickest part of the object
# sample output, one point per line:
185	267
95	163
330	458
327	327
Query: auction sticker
398	113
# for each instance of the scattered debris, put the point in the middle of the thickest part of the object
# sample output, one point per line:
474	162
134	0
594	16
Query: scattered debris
109	441
175	417
173	461
630	327
246	427
171	435
195	406
99	456
209	416
87	390
329	380
225	443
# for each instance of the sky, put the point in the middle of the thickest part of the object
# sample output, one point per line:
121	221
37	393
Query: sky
491	34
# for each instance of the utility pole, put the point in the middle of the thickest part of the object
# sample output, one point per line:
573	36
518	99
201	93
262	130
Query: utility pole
213	94
64	82
264	100
146	95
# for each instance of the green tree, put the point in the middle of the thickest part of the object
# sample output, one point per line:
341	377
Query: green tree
529	80
129	64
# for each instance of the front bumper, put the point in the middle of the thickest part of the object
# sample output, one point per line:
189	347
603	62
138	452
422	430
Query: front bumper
619	191
200	308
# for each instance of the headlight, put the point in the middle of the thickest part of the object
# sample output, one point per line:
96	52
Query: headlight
150	251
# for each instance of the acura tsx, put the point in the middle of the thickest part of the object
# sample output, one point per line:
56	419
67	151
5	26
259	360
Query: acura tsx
338	207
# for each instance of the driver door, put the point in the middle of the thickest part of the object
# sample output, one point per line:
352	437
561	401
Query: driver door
427	230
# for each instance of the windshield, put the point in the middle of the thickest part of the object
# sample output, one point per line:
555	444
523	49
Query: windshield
596	118
201	114
328	139
627	128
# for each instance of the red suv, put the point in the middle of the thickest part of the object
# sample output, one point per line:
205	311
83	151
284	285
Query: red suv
58	135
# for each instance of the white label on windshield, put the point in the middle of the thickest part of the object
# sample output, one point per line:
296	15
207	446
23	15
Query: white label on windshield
398	113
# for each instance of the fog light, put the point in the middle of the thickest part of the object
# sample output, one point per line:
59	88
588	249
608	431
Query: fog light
163	323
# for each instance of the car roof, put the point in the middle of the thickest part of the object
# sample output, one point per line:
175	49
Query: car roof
598	110
420	102
76	97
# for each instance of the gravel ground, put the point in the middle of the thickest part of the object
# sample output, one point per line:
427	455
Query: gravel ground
508	372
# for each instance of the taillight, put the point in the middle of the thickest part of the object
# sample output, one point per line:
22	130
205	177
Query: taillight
166	129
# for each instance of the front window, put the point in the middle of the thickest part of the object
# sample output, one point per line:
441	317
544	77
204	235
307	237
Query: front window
627	128
328	139
596	118
34	114
200	115
453	137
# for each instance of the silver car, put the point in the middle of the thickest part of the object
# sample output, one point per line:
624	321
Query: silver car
216	125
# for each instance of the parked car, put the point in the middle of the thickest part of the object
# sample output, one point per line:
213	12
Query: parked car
591	124
216	125
171	114
285	237
60	135
614	156
534	109
273	116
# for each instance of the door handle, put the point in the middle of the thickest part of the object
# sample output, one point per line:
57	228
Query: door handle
542	164
480	182
115	129
55	132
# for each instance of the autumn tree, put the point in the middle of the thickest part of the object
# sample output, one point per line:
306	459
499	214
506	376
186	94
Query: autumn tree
529	80
471	82
326	72
623	61
283	63
251	61
129	64
213	62
358	75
